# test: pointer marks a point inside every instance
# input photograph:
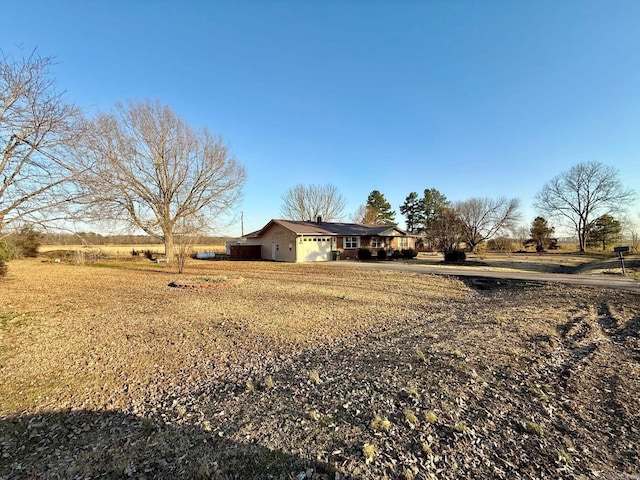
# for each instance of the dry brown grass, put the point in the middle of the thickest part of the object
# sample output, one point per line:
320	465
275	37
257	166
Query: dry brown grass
76	332
105	370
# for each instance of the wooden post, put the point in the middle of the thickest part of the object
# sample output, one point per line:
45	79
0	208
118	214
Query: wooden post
619	250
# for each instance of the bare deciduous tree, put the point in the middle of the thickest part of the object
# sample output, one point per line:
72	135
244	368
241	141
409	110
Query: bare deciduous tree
37	130
445	232
365	215
586	190
310	202
148	167
483	218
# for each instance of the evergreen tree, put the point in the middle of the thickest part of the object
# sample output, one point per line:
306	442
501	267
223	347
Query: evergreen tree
604	230
541	232
379	210
434	204
412	209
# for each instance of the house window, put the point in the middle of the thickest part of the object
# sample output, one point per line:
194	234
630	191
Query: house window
376	242
403	242
351	242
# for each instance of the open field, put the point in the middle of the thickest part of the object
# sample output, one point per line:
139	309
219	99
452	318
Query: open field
336	372
126	250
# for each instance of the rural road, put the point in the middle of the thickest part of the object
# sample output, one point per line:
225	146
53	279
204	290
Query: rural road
599	281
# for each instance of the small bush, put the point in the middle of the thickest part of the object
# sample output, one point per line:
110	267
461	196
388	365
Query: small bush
3	268
500	244
382	254
455	256
20	244
396	254
410	253
364	253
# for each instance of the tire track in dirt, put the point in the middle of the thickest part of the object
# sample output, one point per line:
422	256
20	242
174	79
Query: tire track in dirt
593	357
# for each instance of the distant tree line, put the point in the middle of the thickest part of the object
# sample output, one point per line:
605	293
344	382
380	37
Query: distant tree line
96	239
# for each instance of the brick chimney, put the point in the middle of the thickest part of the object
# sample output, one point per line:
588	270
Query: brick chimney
319	220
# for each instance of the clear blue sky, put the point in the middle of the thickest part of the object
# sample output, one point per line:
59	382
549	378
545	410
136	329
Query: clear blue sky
474	98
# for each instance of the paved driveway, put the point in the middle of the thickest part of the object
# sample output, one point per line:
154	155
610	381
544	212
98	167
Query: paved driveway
599	281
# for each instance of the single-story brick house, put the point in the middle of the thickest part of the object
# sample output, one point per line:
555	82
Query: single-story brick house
306	241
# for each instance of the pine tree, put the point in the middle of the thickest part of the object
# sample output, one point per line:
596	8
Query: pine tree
434	204
604	230
379	210
412	209
541	232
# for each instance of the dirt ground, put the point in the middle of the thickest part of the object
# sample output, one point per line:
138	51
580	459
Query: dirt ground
305	371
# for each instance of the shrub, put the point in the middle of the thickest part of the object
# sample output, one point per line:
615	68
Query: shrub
396	254
364	253
455	256
410	253
3	268
500	244
382	254
27	242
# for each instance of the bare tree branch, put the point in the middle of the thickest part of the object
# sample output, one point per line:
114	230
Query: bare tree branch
38	130
586	190
483	218
148	167
310	202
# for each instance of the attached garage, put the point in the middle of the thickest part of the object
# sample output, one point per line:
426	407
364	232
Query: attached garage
314	248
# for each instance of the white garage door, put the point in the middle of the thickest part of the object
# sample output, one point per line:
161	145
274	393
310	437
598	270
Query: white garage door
314	249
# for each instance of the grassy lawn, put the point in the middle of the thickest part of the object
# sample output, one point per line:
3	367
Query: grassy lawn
106	370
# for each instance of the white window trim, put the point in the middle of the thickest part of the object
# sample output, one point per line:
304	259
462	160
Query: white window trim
344	242
379	241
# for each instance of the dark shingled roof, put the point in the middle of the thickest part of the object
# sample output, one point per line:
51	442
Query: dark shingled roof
331	228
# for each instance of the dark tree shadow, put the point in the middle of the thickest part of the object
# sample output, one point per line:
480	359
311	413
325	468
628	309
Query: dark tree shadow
94	444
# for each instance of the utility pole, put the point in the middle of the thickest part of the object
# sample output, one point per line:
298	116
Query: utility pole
242	224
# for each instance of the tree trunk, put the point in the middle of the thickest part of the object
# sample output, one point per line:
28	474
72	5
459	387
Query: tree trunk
581	242
169	246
